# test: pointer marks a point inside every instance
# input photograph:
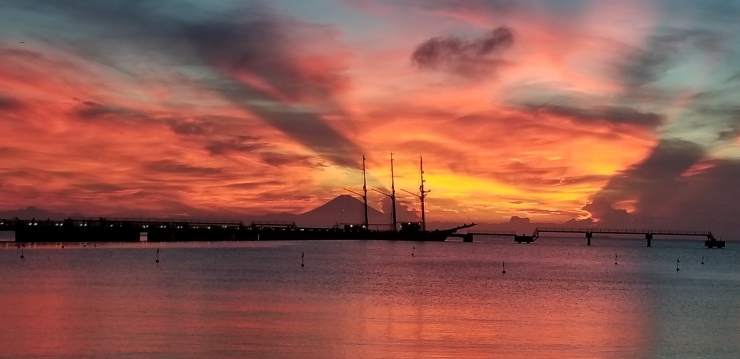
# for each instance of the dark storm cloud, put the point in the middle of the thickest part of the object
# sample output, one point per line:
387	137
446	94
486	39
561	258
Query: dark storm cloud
612	115
709	199
706	200
248	42
663	51
601	209
461	56
652	183
658	172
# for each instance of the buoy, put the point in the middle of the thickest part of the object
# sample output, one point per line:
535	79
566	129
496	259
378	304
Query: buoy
302	253
503	266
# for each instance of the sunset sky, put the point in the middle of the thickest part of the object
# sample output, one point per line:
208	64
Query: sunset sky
613	111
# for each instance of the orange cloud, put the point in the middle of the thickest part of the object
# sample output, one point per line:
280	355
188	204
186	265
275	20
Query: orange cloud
259	111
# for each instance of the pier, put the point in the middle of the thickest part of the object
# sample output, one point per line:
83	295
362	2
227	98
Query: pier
181	230
122	230
711	241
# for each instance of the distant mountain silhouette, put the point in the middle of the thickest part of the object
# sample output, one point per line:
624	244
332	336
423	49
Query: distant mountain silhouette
343	209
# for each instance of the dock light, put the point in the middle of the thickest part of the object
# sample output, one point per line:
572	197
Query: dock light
29	223
209	227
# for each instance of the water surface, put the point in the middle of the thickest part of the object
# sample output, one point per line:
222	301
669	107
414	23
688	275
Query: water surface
372	299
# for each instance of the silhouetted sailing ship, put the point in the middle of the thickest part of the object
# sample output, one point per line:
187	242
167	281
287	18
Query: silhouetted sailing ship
409	231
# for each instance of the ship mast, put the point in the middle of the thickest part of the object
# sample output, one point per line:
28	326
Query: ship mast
393	197
422	194
364	191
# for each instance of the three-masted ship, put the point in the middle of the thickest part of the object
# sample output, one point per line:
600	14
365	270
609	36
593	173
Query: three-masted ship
408	231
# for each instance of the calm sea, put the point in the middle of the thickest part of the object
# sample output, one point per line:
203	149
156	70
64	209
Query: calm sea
372	299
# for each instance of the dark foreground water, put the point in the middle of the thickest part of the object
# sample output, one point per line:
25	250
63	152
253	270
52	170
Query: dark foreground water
558	299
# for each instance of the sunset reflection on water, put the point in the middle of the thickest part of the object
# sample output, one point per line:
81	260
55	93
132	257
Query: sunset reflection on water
560	299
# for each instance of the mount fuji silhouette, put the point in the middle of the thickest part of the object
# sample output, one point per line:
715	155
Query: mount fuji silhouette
343	209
